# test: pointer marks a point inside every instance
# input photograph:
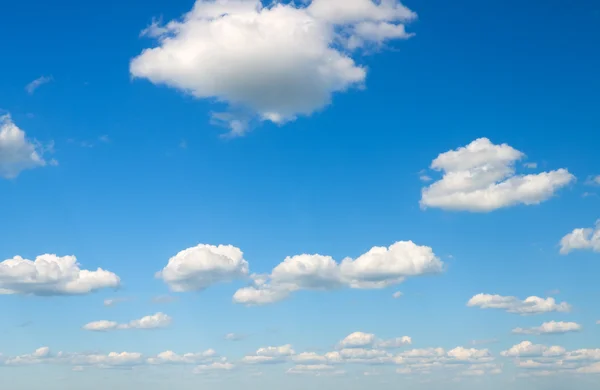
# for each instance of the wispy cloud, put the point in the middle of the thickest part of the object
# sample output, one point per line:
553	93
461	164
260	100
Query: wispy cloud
35	84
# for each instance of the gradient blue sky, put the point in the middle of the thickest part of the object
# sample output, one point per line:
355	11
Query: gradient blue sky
142	174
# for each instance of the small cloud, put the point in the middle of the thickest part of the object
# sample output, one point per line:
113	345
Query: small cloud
593	180
425	178
397	295
234	337
35	84
114	301
104	138
531	165
553	292
588	194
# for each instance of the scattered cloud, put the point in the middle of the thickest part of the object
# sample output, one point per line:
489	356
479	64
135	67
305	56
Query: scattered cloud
216	366
234	337
199	267
170	357
158	320
35	84
114	301
380	267
551	327
581	239
530	165
270	355
481	177
397	295
268	63
593	180
361	340
17	153
52	275
529	306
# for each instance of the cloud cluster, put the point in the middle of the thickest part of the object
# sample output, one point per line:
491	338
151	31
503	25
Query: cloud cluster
552	327
270	63
529	306
17	153
199	267
581	239
481	177
52	275
549	360
155	321
380	267
362	340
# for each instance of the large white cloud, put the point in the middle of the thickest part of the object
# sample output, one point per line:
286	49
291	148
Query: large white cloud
529	306
199	267
155	321
17	153
481	177
552	327
52	275
378	268
586	239
272	62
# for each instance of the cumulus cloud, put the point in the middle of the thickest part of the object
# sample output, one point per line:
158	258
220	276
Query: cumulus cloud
380	267
52	275
581	239
35	84
528	349
361	340
170	357
155	321
270	355
199	267
481	177
551	327
529	306
271	63
17	153
216	366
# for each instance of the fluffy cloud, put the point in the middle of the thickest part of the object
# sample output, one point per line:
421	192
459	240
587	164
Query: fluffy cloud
216	366
197	268
480	177
158	320
270	355
397	295
170	357
528	349
268	62
581	239
52	275
17	153
378	268
551	327
529	306
361	340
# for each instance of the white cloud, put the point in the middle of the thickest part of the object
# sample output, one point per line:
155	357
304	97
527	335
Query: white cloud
380	267
529	306
270	355
480	177
35	84
268	62
155	321
216	366
170	357
17	153
397	295
357	340
199	267
551	327
528	349
52	275
234	337
531	165
581	239
114	301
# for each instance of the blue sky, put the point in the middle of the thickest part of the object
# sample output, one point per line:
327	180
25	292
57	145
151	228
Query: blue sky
312	130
